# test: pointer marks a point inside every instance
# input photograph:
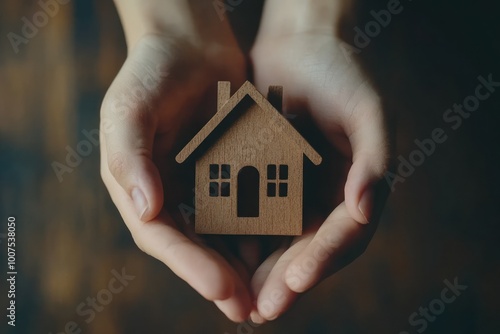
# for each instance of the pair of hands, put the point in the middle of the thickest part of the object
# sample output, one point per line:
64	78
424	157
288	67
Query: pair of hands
166	90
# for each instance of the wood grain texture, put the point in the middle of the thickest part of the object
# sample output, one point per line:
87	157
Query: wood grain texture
223	93
441	223
257	136
274	116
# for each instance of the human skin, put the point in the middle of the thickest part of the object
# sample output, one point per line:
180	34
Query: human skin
298	45
177	51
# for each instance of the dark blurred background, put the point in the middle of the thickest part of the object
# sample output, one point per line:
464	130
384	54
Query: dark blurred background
442	223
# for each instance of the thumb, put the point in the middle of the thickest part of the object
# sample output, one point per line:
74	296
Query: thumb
366	189
129	126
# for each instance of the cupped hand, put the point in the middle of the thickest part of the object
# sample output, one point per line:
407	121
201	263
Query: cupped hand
329	100
165	90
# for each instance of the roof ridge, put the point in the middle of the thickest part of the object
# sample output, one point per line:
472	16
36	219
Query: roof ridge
247	89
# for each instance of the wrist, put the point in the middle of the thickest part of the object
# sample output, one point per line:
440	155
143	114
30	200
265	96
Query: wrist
196	22
301	16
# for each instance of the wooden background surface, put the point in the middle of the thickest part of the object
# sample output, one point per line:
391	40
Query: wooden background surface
442	223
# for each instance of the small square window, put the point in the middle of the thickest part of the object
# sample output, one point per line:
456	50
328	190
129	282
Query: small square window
214	189
271	189
283	172
271	172
224	189
214	171
283	189
225	172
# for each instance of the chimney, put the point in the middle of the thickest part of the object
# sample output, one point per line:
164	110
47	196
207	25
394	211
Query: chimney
275	97
223	93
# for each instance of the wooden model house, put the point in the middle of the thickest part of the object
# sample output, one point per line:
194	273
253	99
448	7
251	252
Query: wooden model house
249	165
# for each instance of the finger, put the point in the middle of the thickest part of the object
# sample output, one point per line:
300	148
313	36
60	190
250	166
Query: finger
237	307
263	271
365	187
339	240
128	122
257	282
203	269
274	297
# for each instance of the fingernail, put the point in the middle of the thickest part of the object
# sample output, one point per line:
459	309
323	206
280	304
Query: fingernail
366	205
257	318
140	202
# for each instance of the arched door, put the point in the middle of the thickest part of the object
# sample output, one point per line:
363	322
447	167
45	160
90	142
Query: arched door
248	192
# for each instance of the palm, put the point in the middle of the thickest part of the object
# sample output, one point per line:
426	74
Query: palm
158	118
163	94
322	94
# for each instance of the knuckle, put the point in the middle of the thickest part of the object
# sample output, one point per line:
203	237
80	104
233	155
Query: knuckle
139	242
103	174
111	103
133	105
140	246
117	165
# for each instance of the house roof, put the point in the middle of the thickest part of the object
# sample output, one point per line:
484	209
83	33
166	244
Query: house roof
247	89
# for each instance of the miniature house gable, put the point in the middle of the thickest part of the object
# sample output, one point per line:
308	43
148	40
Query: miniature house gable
249	166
